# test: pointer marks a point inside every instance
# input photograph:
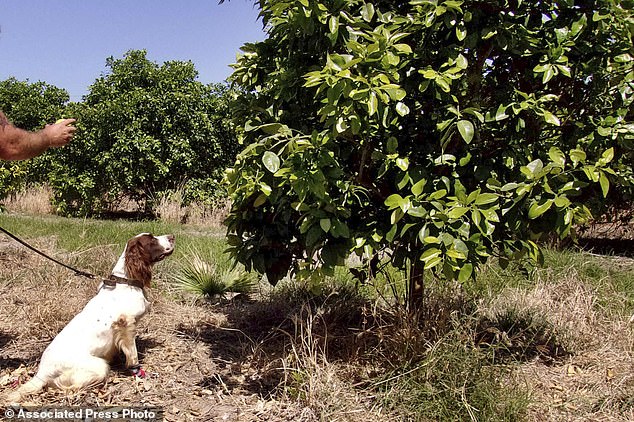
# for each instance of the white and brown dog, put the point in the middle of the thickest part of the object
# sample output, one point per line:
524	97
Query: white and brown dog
79	356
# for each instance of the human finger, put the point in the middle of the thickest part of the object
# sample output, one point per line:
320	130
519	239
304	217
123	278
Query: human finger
65	122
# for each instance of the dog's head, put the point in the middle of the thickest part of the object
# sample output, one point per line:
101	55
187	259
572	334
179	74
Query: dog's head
142	251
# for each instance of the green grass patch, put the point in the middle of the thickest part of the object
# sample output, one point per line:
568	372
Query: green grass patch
74	238
453	382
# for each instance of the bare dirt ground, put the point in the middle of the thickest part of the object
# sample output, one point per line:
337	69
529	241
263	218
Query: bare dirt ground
200	365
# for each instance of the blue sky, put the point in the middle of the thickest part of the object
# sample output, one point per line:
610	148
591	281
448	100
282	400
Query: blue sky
66	42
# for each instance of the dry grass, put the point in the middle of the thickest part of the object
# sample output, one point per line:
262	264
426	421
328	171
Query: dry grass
596	381
322	386
193	374
33	201
291	355
37	201
169	209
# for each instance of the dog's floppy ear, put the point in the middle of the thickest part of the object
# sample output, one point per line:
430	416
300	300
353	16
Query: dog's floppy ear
138	264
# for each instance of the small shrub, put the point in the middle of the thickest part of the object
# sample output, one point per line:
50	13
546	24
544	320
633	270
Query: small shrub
200	276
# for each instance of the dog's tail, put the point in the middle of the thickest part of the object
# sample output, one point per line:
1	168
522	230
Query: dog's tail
33	385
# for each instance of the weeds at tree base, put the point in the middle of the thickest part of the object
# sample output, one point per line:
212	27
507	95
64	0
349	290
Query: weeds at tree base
204	277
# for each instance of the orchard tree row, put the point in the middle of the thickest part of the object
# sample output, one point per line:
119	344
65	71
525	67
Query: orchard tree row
144	130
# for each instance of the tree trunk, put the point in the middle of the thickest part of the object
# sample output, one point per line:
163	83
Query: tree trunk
416	287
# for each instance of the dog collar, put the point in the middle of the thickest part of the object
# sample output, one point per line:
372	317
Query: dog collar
113	280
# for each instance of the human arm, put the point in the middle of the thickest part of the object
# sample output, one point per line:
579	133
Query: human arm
19	144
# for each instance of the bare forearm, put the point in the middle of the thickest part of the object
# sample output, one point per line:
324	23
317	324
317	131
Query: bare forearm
18	144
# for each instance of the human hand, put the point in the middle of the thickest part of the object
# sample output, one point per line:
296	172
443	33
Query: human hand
60	133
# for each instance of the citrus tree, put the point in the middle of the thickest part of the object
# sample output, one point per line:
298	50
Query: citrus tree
443	133
144	129
28	106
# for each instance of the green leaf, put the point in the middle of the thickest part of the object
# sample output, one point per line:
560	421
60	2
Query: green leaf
442	83
403	48
431	240
333	24
265	189
551	118
367	12
564	70
423	233
500	114
490	214
548	73
605	184
476	217
396	216
373	103
488	33
341	125
466	129
325	224
461	62
538	208
418	212
392	145
509	186
457	212
607	156
389	236
440	193
447	239
452	253
271	128
561	201
393	201
431	263
417	188
312	236
402	109
486	198
430	253
402	163
460	246
577	156
557	156
260	200
535	167
395	92
271	161
465	272
461	32
340	229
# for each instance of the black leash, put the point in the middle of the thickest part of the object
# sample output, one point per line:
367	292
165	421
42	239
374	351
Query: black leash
75	270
